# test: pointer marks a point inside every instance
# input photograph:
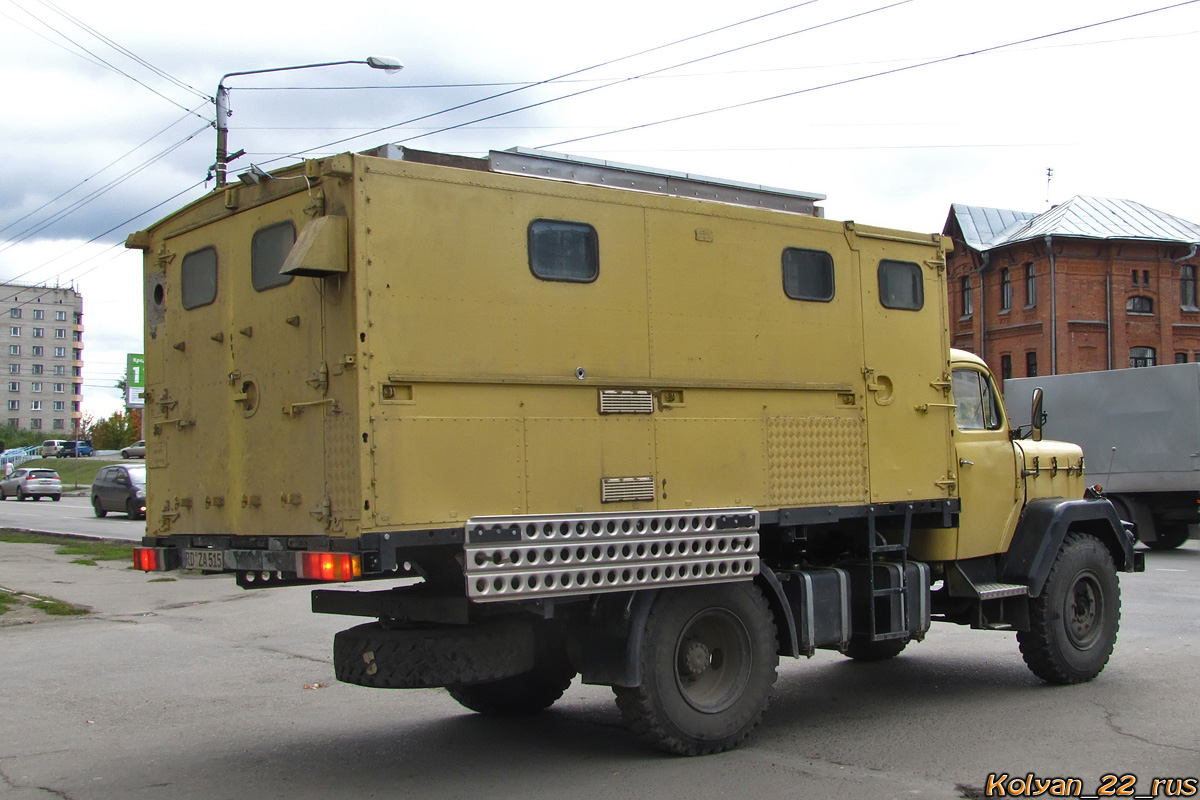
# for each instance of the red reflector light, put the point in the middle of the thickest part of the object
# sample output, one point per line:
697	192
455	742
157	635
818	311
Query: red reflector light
330	566
148	559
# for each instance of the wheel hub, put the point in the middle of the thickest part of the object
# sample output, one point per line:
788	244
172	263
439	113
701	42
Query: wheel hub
1083	612
694	659
712	661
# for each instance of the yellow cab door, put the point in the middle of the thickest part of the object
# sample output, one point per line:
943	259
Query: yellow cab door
988	480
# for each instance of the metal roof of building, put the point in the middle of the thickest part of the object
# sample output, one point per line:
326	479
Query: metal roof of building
1079	217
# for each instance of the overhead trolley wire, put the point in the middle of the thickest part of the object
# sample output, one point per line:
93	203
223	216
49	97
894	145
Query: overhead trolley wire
546	81
879	74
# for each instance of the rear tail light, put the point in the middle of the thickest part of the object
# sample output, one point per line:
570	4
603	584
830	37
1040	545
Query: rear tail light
329	566
154	559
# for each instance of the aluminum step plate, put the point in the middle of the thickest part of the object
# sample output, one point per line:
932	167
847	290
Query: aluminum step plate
519	557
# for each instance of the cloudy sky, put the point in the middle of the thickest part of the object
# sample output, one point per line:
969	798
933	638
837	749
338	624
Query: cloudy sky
894	109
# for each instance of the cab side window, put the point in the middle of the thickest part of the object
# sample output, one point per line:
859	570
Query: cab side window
563	251
975	402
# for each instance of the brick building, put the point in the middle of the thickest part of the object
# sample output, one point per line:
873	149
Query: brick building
1091	284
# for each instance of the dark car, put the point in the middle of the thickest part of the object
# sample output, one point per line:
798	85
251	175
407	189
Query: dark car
120	488
73	449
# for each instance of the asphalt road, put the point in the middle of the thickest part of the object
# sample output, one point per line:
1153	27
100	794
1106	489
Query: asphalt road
71	515
194	688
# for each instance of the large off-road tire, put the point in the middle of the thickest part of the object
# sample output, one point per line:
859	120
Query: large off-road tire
708	661
1073	622
1169	536
861	648
527	693
414	658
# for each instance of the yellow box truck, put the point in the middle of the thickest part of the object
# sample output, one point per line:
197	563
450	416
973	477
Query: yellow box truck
579	418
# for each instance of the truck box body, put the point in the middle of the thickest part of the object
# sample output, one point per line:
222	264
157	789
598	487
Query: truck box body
1139	428
1140	434
429	375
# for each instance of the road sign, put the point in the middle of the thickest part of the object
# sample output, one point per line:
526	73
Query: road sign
135	380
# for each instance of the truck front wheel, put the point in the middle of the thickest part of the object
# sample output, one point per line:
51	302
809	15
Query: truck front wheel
1073	623
708	662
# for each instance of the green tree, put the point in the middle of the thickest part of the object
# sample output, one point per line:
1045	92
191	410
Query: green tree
116	431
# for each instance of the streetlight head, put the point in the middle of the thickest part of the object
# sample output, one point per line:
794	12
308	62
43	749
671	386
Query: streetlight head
385	63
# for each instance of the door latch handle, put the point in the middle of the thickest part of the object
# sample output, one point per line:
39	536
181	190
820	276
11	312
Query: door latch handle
962	462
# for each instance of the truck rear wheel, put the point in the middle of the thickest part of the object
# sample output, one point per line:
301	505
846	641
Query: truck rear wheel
416	658
708	662
861	648
527	693
1074	621
1169	536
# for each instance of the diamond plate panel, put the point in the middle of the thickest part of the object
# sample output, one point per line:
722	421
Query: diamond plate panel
816	460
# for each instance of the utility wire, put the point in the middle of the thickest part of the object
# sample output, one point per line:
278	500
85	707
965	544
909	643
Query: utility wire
882	73
96	173
551	80
127	52
59	215
657	71
102	61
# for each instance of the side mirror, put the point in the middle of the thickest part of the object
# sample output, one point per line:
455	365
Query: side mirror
1037	417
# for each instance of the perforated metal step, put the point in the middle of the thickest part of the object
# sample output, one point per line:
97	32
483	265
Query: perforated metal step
562	555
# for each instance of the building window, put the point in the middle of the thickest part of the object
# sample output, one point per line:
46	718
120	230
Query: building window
60	352
39	314
1187	287
1030	286
901	285
1145	277
14	349
1140	304
15	313
968	299
15	330
1181	358
60	333
60	405
37	350
14	369
59	388
35	424
1005	367
14	386
59	424
36	386
1005	290
59	369
61	316
808	274
1133	277
563	251
36	369
14	405
35	405
1142	357
39	333
1031	364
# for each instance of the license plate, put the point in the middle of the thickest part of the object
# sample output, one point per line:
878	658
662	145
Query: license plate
212	560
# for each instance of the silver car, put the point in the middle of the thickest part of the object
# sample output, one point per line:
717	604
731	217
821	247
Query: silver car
31	482
135	450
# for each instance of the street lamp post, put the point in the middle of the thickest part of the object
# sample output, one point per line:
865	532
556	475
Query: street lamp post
389	65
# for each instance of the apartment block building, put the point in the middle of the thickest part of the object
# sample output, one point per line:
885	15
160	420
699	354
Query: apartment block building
1091	284
41	347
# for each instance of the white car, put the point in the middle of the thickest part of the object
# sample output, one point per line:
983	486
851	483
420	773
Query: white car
135	450
31	482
